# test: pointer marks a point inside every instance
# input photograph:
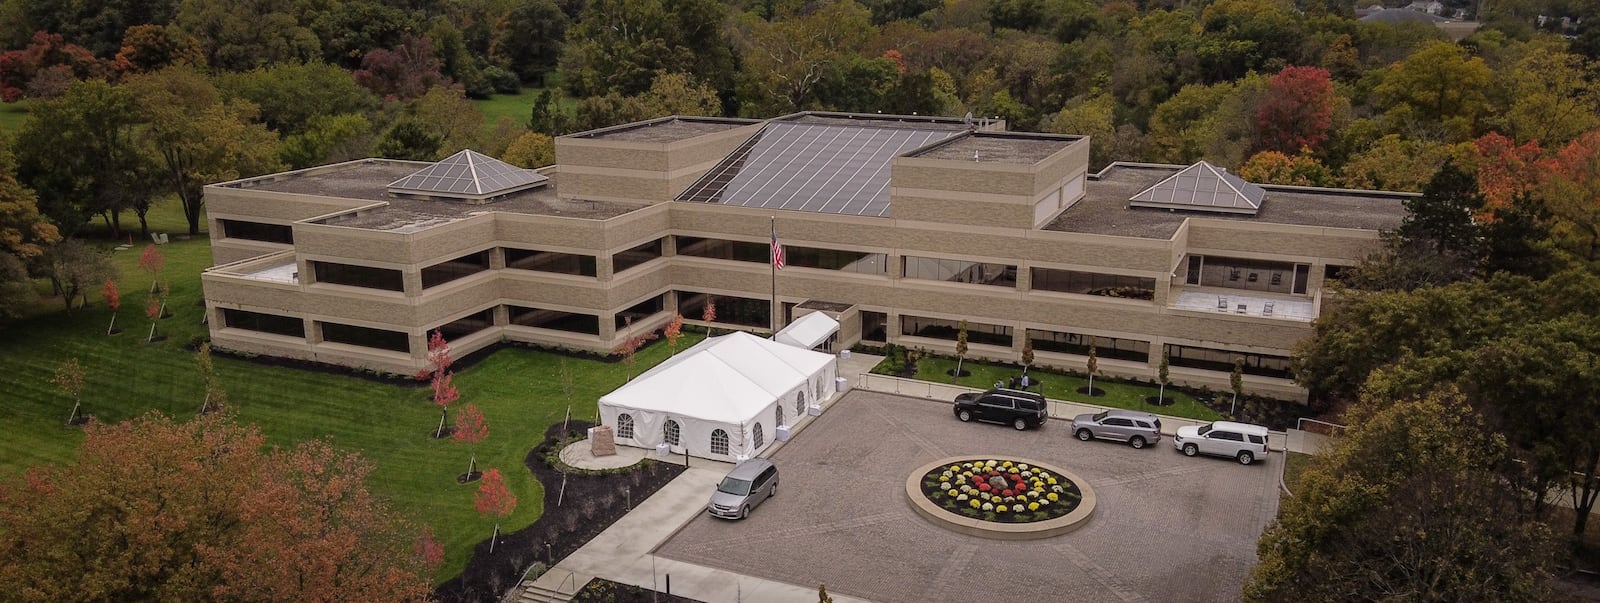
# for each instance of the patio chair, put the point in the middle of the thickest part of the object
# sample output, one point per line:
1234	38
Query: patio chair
1241	309
1266	310
1222	304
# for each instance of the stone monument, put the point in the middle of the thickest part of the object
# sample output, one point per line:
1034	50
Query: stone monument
602	442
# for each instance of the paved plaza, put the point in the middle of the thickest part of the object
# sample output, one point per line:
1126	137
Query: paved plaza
1167	527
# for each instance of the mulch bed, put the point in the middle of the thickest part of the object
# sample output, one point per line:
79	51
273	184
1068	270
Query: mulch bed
590	504
601	590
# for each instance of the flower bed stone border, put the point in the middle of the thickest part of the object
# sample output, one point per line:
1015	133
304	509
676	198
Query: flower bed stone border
994	529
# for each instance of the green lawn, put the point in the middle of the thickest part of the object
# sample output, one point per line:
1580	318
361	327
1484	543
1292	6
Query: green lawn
517	106
11	117
1065	387
517	389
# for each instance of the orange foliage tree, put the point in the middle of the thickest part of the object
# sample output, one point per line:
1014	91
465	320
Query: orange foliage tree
674	332
108	292
444	389
494	499
471	428
154	509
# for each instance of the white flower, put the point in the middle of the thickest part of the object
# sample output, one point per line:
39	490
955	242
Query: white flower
963	497
1026	473
1022	466
944	485
988	507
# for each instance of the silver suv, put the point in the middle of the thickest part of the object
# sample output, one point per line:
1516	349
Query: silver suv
1135	428
748	485
1241	441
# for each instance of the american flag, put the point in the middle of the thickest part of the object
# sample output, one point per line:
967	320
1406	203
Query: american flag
777	251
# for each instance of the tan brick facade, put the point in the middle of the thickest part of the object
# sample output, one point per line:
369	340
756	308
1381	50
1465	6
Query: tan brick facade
975	212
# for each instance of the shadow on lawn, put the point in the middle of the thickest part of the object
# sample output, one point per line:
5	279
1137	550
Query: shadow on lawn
590	504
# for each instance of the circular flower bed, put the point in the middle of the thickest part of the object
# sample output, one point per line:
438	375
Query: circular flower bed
1001	490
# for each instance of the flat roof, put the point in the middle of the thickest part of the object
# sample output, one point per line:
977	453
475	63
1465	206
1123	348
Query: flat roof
669	129
981	147
1104	208
369	180
868	120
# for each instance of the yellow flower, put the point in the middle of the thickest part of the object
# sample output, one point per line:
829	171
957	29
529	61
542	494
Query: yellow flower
954	492
1052	496
1033	506
974	502
1052	481
955	467
1001	508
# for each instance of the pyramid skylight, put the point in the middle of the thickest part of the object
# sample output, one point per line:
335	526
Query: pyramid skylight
1202	187
468	175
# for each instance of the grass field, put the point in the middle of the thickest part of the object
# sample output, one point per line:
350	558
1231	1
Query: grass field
1065	387
11	117
518	391
517	106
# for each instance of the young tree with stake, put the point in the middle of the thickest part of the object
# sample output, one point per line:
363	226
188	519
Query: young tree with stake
709	314
673	333
471	428
108	292
1027	353
152	261
69	380
215	397
444	389
1236	381
1163	373
961	348
152	310
494	499
1094	364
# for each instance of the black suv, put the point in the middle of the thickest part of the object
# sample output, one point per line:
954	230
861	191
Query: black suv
1019	409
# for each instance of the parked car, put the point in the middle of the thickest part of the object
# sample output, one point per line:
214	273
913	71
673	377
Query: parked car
1135	428
1016	408
746	487
1241	441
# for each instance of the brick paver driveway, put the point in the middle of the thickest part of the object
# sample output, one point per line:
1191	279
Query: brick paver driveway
1168	527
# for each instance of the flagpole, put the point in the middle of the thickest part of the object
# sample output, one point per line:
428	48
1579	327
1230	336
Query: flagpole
772	262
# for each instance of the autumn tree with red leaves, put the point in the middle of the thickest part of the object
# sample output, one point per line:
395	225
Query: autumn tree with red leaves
152	261
113	299
494	499
151	48
1297	111
444	389
674	332
154	509
709	314
631	346
471	428
1506	169
404	73
152	310
47	55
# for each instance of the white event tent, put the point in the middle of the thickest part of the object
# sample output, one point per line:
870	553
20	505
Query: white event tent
808	331
722	399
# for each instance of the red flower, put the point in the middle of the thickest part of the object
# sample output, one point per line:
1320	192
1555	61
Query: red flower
983	487
1007	493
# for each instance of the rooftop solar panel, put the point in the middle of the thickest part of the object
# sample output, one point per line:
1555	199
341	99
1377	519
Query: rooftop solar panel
467	174
838	169
1202	187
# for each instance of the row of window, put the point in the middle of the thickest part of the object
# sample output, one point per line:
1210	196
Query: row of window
672	433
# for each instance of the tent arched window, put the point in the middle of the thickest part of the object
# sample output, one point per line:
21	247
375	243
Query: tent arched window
800	403
670	431
779	408
759	437
625	426
719	442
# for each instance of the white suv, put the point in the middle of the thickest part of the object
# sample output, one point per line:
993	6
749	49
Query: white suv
1241	441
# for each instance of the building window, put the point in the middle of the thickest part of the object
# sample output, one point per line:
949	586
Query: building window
1093	283
467	325
755	433
960	271
1222	361
464	266
366	337
1250	275
633	257
359	276
257	231
719	442
836	259
642	310
265	323
1078	344
723	249
671	431
550	261
732	310
874	326
938	328
541	318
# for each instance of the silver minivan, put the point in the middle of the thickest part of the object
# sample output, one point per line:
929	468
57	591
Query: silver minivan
747	486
